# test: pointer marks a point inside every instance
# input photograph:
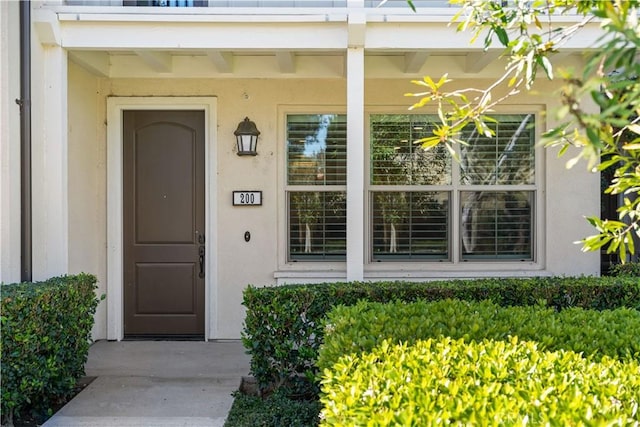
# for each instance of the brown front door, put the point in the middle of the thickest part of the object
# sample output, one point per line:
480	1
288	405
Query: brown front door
163	223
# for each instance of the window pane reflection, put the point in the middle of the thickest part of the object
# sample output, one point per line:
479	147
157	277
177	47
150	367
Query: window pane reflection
504	159
317	225
410	225
395	157
316	149
496	224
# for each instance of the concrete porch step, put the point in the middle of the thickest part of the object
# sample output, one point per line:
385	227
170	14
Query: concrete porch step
163	384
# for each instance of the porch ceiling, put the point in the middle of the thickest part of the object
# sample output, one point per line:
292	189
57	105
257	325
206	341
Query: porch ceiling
286	63
204	44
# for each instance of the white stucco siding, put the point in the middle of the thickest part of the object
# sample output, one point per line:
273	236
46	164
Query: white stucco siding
572	195
239	262
569	193
87	182
9	143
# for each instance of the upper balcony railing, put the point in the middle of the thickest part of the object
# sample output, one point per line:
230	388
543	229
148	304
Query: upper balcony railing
253	3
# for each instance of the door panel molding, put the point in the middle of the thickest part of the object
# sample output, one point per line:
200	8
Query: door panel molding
115	295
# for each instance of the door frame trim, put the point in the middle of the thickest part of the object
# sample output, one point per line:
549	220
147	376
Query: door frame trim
115	272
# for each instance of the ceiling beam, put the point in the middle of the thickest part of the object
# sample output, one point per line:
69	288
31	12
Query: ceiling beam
93	61
286	61
160	62
222	60
47	27
413	61
477	61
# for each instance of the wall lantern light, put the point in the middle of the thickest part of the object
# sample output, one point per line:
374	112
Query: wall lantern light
247	138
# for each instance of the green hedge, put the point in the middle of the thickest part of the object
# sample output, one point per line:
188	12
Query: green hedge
362	327
276	410
284	325
46	331
446	381
629	269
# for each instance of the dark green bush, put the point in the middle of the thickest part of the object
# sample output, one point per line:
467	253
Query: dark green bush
364	326
454	382
284	325
629	269
46	329
276	410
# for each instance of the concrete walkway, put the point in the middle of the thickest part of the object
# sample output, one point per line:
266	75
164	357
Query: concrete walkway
157	383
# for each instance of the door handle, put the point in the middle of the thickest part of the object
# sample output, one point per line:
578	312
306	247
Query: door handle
201	261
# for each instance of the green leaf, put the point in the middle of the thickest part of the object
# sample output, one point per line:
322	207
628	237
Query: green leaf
593	136
563	150
444	79
429	142
411	5
502	35
429	82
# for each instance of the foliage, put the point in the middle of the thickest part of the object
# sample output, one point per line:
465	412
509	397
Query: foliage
46	331
531	32
275	410
308	206
447	381
629	269
284	326
360	328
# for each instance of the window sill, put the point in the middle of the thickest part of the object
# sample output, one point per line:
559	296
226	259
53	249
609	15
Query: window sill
309	276
403	272
400	274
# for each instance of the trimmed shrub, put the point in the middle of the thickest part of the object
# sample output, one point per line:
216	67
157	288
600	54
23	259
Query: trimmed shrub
446	381
284	325
364	326
276	410
629	269
46	329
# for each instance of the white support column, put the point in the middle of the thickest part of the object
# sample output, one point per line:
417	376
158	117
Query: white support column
50	162
355	163
9	143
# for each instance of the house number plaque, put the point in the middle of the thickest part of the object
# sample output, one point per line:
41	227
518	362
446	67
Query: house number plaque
247	198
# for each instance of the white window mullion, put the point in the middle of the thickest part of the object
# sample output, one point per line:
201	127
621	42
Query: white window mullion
355	163
454	214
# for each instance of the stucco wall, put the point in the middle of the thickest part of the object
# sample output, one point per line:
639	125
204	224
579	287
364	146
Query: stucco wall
570	193
241	263
87	182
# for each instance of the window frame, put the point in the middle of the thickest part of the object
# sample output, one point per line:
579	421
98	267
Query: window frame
455	261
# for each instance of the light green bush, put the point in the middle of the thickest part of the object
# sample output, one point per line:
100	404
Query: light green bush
445	381
363	326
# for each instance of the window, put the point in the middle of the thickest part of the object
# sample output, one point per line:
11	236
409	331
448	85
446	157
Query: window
166	3
316	179
410	208
417	197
